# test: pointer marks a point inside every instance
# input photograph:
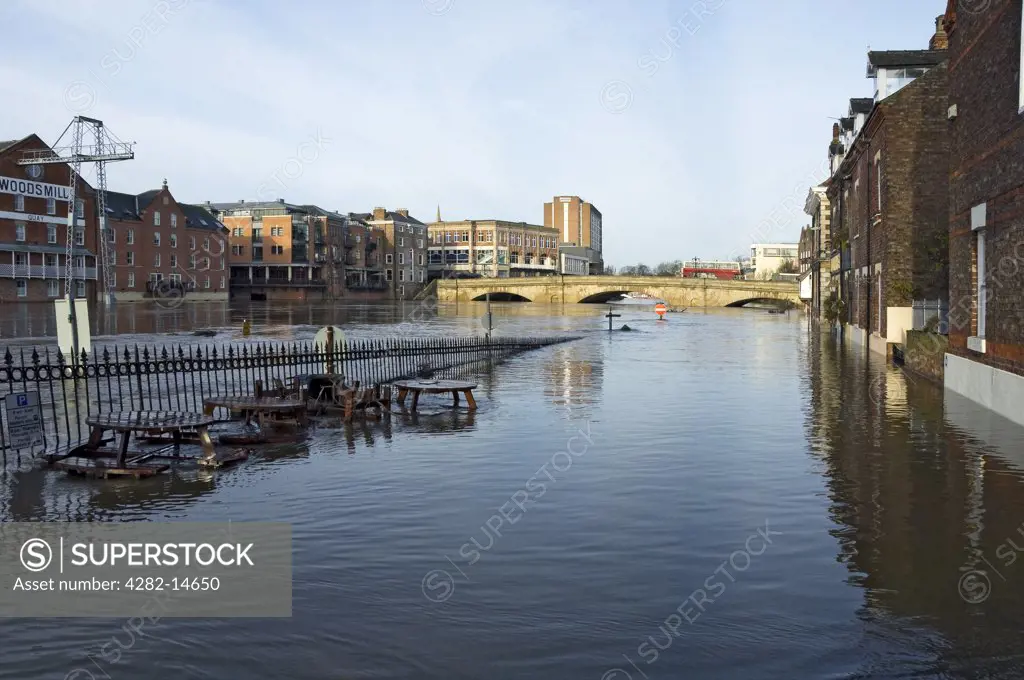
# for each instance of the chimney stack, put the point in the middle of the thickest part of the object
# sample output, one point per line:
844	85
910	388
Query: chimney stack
404	212
939	41
835	132
380	214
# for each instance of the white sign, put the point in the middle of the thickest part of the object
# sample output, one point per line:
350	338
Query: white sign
31	217
28	187
65	336
24	420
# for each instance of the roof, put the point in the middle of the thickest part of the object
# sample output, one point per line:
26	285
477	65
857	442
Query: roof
904	58
320	212
846	123
122	206
8	143
255	205
388	215
198	217
49	248
146	197
861	105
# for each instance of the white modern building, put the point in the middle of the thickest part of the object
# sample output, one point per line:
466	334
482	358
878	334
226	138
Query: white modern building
766	258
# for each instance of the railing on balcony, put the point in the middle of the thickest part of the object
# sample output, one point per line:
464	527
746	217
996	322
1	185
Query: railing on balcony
39	271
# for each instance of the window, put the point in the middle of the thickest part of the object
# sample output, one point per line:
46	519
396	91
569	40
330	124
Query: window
166	201
192	261
113	278
401	241
420	262
237	231
129	258
237	250
129	238
174	220
421	276
206	282
222	283
19	231
206	244
401	228
156	238
52	288
111	235
277	250
156	218
387	259
174	240
191	242
19	205
1021	90
979	220
174	261
131	279
21	259
22	288
51	206
156	260
51	233
50	260
389	274
222	263
79	208
80	289
79	236
878	183
401	258
113	258
401	274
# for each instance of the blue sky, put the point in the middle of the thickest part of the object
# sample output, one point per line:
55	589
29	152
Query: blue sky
694	126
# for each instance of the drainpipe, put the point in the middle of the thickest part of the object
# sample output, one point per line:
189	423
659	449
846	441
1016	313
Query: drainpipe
867	246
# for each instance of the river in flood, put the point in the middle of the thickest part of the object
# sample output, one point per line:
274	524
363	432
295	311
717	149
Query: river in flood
720	495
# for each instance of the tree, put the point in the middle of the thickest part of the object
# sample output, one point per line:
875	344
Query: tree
788	267
609	270
628	270
669	268
643	270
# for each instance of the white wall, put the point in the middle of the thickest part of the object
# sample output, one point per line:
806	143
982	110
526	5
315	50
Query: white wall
993	388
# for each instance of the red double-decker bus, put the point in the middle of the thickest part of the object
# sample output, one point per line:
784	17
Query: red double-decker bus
702	269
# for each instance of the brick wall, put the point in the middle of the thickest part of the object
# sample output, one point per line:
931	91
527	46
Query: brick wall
987	166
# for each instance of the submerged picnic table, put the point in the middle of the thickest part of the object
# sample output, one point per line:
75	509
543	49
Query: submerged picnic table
141	423
264	408
418	387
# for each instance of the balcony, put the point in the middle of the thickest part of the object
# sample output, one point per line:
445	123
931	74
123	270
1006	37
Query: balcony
38	271
275	282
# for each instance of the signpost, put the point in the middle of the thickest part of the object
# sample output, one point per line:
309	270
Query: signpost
611	315
24	420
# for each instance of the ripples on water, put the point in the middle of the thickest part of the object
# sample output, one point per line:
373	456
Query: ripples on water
703	429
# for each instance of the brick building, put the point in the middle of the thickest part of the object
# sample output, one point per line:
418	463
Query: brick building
403	242
33	228
158	242
494	248
282	251
818	248
579	224
364	260
986	214
889	194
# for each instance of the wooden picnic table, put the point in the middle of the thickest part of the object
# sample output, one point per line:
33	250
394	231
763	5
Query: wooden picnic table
264	408
149	423
418	387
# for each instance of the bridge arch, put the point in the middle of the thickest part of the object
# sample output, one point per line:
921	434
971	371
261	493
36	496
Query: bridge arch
779	303
502	296
603	297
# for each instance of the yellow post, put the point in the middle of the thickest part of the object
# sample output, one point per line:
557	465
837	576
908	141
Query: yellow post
246	327
330	350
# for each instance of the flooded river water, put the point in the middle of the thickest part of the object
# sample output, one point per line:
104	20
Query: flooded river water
721	495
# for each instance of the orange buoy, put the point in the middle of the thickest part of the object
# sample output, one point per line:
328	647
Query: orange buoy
660	310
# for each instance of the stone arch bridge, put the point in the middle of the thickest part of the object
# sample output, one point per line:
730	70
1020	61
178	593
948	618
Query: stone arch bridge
675	291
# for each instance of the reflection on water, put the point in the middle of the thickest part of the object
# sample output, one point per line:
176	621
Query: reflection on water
900	514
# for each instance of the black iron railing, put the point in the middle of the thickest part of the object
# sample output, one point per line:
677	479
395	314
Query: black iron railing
179	378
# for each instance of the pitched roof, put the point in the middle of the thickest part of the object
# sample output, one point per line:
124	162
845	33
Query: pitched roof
122	206
256	205
904	58
146	197
198	217
388	215
8	143
861	105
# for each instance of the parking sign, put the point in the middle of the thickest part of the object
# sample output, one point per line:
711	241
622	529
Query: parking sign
24	420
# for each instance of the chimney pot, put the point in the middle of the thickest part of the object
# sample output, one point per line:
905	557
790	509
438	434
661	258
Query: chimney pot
280	200
939	41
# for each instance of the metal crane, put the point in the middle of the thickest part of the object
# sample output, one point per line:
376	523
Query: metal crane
103	148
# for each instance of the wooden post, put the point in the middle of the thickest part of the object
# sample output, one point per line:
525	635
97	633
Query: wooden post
330	350
610	315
